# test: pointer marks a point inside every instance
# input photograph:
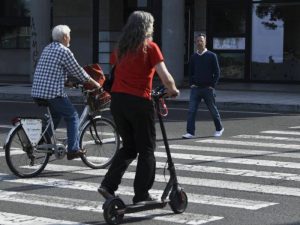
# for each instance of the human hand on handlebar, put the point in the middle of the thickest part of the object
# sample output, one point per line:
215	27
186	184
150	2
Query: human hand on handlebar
173	92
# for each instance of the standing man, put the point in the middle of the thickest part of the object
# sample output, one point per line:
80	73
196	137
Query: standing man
204	73
56	62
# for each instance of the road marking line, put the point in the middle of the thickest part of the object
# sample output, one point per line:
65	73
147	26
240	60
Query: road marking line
250	143
13	219
234	151
6	126
235	160
261	137
227	111
280	132
226	171
231	185
296	127
126	190
96	206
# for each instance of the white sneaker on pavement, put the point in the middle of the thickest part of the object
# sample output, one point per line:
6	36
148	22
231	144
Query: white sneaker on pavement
188	136
219	133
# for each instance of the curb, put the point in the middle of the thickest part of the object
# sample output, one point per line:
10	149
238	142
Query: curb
251	107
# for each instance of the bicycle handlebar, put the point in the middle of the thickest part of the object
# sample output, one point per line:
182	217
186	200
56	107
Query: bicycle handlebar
79	85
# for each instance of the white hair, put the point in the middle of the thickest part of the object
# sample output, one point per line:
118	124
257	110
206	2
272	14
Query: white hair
59	31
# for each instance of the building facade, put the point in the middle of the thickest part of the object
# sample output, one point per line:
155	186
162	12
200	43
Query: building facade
255	40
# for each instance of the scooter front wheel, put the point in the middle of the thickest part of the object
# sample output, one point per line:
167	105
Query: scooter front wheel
178	201
110	213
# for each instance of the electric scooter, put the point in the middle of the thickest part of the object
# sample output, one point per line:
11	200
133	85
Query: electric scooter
114	208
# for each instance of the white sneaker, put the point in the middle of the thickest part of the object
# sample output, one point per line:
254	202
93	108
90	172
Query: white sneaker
187	136
219	133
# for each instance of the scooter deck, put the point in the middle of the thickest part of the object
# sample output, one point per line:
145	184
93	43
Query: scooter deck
132	208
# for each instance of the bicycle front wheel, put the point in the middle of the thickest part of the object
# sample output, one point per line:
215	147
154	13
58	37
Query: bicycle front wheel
21	157
101	140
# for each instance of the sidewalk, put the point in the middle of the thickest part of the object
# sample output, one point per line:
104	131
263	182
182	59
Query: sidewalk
230	96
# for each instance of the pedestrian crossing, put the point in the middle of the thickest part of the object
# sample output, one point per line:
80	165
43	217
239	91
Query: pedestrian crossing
214	172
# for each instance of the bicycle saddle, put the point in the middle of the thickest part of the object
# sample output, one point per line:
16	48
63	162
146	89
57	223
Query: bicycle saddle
41	102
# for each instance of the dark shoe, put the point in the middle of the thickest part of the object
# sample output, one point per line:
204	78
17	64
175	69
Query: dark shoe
105	192
77	154
143	201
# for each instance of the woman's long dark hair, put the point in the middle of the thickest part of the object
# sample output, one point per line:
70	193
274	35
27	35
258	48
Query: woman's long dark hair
138	28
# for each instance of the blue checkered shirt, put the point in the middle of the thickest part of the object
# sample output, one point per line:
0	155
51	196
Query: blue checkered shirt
55	64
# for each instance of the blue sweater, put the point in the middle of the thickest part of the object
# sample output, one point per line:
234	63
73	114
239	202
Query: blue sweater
204	70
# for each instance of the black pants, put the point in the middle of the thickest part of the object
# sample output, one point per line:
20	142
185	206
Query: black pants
134	118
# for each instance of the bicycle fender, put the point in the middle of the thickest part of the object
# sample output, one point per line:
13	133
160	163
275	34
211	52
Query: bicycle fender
9	135
86	122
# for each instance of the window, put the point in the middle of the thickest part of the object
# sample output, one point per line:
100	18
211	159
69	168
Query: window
227	36
275	41
14	24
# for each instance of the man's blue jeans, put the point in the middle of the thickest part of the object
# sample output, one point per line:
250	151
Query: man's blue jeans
62	107
208	95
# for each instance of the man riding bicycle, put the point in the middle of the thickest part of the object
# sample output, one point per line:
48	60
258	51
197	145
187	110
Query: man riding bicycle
55	64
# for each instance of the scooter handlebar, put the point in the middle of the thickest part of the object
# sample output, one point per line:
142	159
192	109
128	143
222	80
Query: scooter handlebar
159	92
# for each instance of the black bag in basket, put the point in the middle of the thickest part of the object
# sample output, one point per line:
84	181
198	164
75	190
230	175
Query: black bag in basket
108	83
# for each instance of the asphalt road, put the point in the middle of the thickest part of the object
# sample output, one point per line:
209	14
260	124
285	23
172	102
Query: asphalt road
249	176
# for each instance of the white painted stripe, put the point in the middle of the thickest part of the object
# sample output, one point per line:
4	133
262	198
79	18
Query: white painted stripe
280	132
235	160
227	171
96	206
15	151
235	172
296	127
6	126
231	185
235	111
250	143
219	149
203	148
235	151
261	137
125	190
18	219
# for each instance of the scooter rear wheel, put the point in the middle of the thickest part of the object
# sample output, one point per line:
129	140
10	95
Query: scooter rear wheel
178	201
110	208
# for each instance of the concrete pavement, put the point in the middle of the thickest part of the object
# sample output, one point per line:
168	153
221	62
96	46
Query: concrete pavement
230	96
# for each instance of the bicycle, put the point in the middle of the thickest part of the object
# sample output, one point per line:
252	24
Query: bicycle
32	141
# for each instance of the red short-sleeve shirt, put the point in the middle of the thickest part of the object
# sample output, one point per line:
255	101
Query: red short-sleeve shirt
134	73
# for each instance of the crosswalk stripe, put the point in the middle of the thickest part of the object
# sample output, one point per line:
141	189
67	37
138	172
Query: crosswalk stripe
261	137
296	127
228	171
13	219
231	185
126	190
96	206
234	151
250	143
237	160
219	149
280	132
235	172
6	126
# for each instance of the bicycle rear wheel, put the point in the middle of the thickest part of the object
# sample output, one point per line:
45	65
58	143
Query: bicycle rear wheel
101	140
21	157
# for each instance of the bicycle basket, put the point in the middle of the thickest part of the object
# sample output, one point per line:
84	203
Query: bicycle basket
98	100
